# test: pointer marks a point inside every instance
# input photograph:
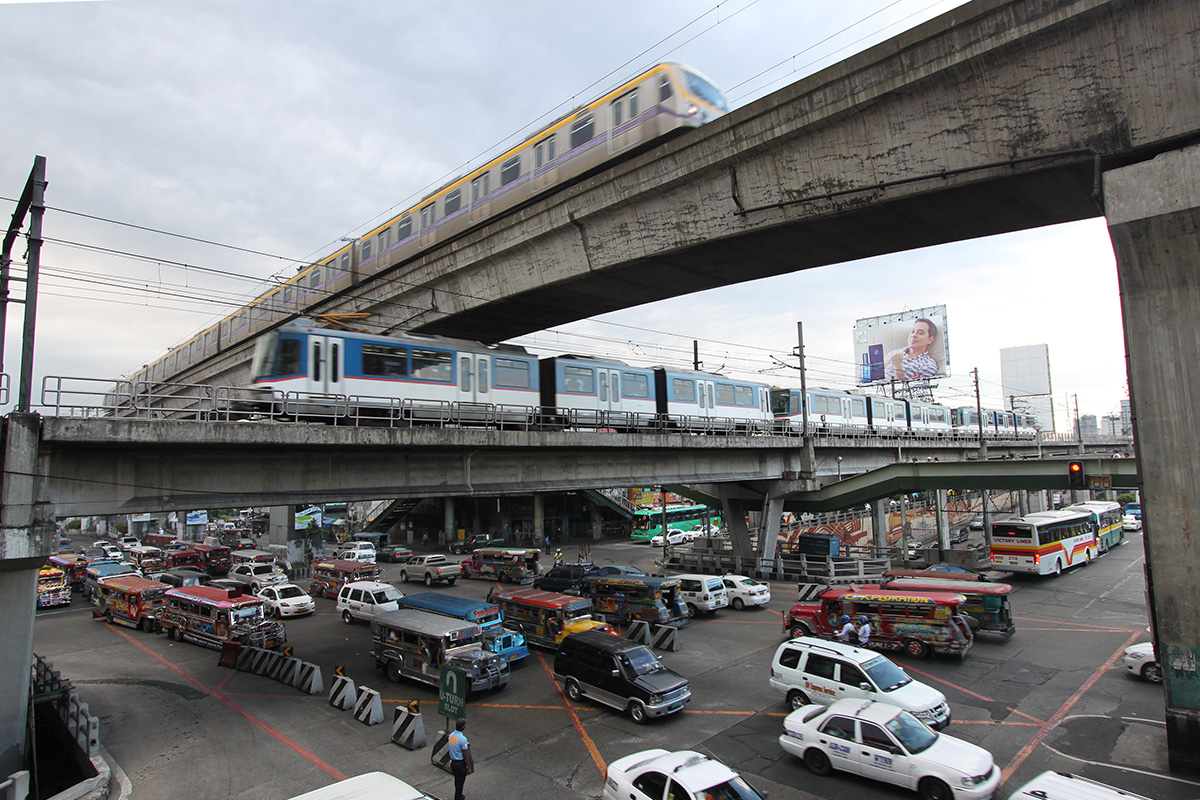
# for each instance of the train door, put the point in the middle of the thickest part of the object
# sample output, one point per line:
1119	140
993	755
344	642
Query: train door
325	367
610	389
623	116
706	399
474	378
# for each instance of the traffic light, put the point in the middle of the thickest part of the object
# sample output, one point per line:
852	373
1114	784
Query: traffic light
1075	478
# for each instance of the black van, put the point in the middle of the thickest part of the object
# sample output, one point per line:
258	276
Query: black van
619	673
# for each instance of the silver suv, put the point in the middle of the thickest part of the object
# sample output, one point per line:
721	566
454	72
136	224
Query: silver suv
808	670
256	575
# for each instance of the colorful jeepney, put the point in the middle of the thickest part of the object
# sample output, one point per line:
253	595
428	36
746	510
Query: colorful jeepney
131	600
74	565
214	558
509	565
185	557
546	617
147	558
624	598
52	588
211	617
506	643
96	570
987	606
329	575
415	644
918	624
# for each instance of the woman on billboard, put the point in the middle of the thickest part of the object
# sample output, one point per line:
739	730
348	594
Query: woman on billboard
914	361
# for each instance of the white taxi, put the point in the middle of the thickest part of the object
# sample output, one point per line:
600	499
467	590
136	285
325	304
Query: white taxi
743	591
673	537
690	776
886	743
286	600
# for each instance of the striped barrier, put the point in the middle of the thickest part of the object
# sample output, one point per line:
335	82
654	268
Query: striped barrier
342	694
638	630
308	678
285	670
408	729
440	755
368	708
230	652
665	638
809	591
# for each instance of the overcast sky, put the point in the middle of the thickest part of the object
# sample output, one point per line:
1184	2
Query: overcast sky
281	127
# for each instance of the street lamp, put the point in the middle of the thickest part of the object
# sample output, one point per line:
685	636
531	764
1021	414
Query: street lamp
839	460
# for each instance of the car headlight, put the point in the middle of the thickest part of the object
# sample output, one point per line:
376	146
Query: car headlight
975	780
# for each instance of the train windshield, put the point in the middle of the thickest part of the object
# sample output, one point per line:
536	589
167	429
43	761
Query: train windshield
706	91
266	350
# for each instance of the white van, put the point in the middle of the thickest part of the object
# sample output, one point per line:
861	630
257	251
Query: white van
358	551
808	670
703	594
367	600
1065	786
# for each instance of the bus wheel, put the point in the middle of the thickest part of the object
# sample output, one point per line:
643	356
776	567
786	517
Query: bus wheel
916	648
1057	567
393	672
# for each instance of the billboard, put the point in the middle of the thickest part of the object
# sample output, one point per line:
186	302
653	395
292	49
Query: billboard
907	346
1025	371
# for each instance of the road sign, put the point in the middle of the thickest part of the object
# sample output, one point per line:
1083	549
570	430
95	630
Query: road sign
452	692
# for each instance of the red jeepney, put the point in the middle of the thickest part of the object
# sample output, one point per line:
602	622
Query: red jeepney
160	539
329	575
52	587
214	558
917	623
210	617
130	600
75	567
182	558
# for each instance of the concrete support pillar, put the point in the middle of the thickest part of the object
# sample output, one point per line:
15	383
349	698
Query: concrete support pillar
879	523
768	531
943	521
26	538
1153	212
597	523
281	521
739	533
539	520
449	526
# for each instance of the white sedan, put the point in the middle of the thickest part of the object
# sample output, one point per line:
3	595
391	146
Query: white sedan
743	591
690	776
880	741
1139	659
673	537
1131	523
286	600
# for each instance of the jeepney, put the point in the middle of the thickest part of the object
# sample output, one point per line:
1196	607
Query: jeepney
546	617
917	623
210	617
186	557
52	588
507	643
147	558
249	554
130	600
415	644
96	570
628	597
214	558
329	575
74	565
508	565
987	606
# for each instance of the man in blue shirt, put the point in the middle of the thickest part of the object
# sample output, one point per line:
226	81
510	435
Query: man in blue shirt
460	757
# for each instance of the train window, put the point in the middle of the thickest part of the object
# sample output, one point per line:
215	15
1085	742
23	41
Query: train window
543	152
289	357
287	294
858	407
346	262
617	108
464	373
428	216
481	380
432	365
684	390
622	104
603	386
366	249
745	396
725	394
510	170
664	87
384	361
579	380
209	338
314	277
453	202
511	373
404	228
385	239
635	385
633	104
582	130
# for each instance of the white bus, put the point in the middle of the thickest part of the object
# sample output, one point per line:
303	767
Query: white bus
1045	543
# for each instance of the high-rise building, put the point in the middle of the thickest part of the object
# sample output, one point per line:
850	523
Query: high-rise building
1126	418
1087	425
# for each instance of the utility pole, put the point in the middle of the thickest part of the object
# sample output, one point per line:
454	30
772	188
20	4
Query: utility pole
32	201
808	454
696	355
979	413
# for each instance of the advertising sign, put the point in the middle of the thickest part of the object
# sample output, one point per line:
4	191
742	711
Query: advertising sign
907	346
197	517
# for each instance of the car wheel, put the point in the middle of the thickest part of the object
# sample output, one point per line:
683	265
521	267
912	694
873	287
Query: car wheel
573	690
817	762
799	630
934	789
393	671
916	648
429	580
692	611
347	618
404	576
450	582
145	624
738	603
1152	673
637	712
797	699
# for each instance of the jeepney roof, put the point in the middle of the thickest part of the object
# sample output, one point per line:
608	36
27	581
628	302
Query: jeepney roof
132	583
537	597
444	603
508	551
102	568
214	596
343	564
869	594
66	558
208	548
633	581
424	622
930	585
50	572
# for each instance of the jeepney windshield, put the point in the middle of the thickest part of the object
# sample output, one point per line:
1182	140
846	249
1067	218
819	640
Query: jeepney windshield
487	619
577	615
247	614
153	594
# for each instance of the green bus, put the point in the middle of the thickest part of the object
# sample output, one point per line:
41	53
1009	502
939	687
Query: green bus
1108	519
648	522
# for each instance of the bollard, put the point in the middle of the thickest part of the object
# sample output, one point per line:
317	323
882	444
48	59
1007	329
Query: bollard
368	708
342	695
408	729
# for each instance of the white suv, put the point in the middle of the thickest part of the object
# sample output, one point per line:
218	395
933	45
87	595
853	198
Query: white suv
367	600
808	670
703	594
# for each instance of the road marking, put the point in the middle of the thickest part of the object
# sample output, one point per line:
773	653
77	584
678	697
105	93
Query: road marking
593	751
1121	767
224	700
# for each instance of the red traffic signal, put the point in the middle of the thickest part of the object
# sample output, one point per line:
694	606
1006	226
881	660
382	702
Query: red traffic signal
1075	479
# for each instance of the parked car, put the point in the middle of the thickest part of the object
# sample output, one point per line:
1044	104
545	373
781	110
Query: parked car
744	591
394	553
691	776
886	743
367	600
286	600
472	543
1140	660
811	671
563	579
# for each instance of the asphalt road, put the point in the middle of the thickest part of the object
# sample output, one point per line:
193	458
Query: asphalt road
1053	697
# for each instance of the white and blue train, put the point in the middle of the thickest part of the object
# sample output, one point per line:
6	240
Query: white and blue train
300	370
665	100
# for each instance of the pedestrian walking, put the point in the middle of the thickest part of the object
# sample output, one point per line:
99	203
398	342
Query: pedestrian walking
460	757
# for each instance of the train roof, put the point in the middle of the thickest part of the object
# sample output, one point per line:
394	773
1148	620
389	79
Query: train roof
305	325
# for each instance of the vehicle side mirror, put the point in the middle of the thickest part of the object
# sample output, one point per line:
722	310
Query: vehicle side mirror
616	673
866	687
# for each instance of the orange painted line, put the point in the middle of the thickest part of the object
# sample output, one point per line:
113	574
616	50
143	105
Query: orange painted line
1082	624
593	751
955	686
1062	712
221	686
1081	630
223	700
